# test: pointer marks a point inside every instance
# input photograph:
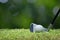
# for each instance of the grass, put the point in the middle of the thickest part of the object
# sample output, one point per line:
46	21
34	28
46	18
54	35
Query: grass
25	34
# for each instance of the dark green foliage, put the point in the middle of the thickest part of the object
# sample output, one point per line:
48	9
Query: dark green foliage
20	13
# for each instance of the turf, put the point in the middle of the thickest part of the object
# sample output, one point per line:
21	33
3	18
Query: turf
25	34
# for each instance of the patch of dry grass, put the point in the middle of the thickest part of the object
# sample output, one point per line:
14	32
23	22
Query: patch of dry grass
25	34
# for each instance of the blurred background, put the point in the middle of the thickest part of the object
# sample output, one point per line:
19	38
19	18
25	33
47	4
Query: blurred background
21	13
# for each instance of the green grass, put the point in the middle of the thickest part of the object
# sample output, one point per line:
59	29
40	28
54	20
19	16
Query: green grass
25	34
